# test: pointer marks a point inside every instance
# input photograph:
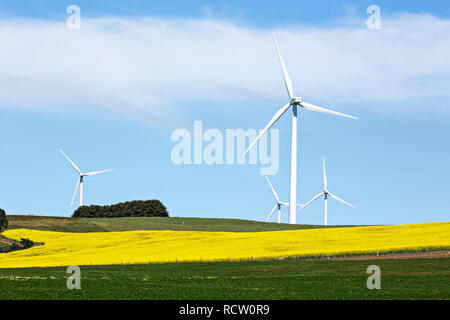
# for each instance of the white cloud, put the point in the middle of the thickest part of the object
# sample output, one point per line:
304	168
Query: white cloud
141	67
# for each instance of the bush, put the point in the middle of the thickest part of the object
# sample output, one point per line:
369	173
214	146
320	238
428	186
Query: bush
3	220
137	208
26	243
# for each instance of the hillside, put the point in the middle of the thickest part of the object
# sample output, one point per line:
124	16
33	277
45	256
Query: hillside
134	247
191	224
63	224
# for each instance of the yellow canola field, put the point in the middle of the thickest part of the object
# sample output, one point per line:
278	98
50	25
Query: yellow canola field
133	247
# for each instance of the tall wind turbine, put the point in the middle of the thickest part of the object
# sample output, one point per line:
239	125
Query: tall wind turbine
80	180
325	193
294	102
278	205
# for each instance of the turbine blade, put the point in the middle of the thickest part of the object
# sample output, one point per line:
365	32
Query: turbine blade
97	172
287	79
73	164
311	201
273	190
311	107
75	193
339	199
270	124
324	174
271	213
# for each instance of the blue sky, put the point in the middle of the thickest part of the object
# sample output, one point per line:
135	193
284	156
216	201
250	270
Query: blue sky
111	94
256	12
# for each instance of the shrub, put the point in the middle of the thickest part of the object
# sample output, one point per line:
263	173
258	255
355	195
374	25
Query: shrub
137	208
26	243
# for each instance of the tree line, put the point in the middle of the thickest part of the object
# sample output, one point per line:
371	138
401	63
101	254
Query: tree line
137	208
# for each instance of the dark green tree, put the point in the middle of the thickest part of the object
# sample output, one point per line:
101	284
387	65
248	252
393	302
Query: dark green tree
137	208
3	220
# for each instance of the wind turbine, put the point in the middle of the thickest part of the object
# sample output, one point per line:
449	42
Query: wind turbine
80	180
278	205
294	102
325	193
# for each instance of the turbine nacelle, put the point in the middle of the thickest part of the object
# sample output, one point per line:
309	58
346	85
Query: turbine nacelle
295	100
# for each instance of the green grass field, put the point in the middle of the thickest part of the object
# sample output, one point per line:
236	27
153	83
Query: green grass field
145	223
288	279
423	278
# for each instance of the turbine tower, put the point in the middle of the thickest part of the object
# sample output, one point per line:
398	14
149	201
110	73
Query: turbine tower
294	102
325	193
81	178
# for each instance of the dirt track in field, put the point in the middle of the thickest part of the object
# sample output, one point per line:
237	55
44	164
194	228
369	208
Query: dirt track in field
407	255
6	241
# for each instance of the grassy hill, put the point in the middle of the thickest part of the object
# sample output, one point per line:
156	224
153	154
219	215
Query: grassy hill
51	224
191	224
63	224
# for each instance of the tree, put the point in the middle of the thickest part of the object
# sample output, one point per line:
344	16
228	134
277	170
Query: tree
137	208
3	220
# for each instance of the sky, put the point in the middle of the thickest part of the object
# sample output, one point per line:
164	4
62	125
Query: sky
112	93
